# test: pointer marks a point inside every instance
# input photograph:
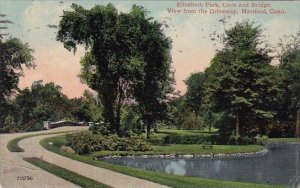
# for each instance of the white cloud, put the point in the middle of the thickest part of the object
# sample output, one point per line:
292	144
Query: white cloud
35	20
123	7
277	27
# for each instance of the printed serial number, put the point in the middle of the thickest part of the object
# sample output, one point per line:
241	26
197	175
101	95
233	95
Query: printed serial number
24	178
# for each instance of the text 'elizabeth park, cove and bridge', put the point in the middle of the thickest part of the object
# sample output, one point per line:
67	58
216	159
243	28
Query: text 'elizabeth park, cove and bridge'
232	8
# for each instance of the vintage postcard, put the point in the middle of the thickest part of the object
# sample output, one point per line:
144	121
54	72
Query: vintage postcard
149	93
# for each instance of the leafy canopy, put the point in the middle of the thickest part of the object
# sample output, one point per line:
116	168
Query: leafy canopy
127	56
14	55
240	80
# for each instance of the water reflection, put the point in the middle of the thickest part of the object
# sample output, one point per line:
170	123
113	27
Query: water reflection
280	166
176	167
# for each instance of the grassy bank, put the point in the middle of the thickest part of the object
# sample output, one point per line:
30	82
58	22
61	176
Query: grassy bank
179	149
165	132
13	145
198	149
186	132
284	140
75	178
161	178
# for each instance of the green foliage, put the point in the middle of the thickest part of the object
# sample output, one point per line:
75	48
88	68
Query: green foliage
86	142
14	56
100	128
263	140
46	102
131	120
211	119
9	125
238	140
86	108
40	103
195	91
193	122
289	103
178	111
240	82
119	63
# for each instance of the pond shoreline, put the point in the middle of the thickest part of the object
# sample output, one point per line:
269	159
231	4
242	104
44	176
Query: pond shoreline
186	156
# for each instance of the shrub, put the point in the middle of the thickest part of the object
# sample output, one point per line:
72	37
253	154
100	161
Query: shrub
82	142
35	127
85	142
234	140
157	140
4	130
262	140
246	140
100	128
280	129
193	122
131	121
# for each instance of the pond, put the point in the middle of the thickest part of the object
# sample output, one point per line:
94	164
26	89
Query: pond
281	165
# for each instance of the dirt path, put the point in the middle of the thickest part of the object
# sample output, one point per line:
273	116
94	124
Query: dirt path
34	149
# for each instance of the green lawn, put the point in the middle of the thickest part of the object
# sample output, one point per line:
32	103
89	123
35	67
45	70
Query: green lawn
198	149
187	132
179	149
75	178
283	139
164	132
161	178
13	145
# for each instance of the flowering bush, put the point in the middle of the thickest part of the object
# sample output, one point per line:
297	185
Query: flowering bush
85	142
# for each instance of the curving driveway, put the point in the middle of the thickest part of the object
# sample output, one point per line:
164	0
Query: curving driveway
13	166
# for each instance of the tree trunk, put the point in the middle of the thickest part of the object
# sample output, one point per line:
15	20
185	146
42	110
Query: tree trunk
155	128
237	125
118	111
297	134
108	113
148	130
118	119
148	122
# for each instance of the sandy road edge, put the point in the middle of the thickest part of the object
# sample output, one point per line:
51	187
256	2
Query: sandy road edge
33	148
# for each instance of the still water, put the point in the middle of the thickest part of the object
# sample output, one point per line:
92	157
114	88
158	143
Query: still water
280	166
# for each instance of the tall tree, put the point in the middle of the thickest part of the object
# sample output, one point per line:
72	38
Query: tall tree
14	55
194	93
154	48
111	64
290	64
240	76
126	57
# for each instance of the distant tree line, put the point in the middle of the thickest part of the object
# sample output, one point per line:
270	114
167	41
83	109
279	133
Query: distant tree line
241	92
45	102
